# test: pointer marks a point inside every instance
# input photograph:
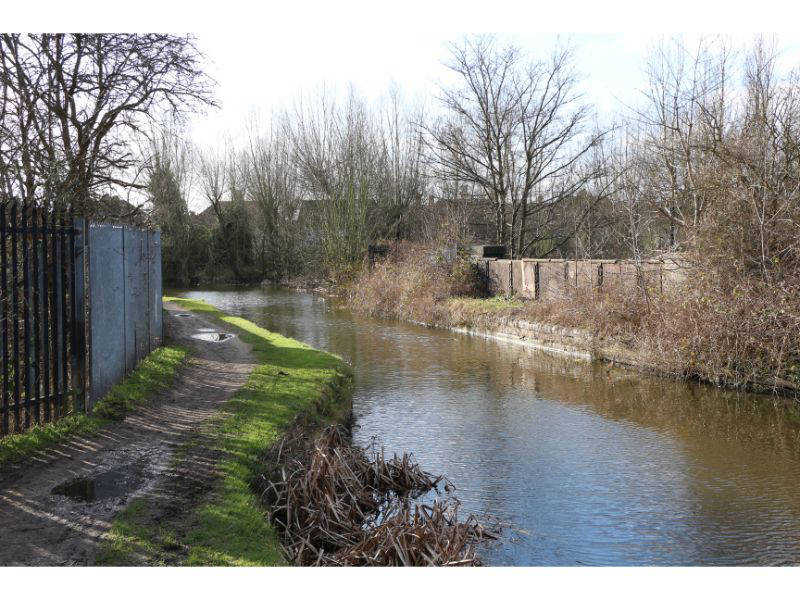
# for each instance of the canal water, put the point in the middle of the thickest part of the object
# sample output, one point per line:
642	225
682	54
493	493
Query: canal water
592	465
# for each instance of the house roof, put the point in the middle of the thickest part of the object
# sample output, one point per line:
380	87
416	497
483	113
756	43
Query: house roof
208	217
113	209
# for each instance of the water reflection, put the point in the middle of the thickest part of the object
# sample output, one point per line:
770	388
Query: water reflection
598	465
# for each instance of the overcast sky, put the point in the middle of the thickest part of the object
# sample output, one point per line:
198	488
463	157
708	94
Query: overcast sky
264	53
258	74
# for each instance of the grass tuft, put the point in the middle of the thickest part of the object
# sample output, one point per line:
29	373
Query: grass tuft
155	372
496	303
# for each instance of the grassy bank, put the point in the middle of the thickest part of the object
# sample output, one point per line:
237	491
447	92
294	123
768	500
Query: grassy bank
229	526
155	372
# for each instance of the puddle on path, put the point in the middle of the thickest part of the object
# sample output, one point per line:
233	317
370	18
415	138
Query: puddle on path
212	337
183	315
110	484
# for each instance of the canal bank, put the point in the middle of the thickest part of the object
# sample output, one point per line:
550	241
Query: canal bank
686	323
596	329
205	511
571	342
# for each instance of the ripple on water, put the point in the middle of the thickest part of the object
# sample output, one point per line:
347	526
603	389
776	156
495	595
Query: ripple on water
592	465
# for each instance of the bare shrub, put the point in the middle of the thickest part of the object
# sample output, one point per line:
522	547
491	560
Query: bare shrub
729	331
410	284
467	279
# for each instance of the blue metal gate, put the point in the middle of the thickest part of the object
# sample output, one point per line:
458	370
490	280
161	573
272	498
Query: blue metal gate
49	366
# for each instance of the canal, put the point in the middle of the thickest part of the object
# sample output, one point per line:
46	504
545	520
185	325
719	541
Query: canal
592	465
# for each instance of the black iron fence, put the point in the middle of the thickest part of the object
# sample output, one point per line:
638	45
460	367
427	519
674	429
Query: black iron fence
42	315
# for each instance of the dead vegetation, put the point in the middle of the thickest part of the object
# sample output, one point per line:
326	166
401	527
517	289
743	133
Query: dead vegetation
415	283
338	505
412	284
720	326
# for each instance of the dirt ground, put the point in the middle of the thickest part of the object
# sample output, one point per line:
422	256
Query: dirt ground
125	460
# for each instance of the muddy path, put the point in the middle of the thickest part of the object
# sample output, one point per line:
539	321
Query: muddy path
98	475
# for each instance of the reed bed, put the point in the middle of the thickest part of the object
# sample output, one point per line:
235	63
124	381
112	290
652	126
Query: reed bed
335	504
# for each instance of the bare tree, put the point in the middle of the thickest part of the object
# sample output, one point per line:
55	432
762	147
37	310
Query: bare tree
685	119
403	186
70	104
721	168
213	180
515	128
338	154
762	159
170	174
272	186
223	181
634	226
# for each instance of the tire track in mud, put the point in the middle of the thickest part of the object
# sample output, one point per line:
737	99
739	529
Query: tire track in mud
124	460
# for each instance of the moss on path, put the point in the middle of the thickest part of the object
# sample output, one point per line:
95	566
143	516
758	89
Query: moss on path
229	525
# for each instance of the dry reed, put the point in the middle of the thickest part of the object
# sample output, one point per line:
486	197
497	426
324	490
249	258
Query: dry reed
335	504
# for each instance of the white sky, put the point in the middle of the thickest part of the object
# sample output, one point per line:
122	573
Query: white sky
277	69
258	74
265	53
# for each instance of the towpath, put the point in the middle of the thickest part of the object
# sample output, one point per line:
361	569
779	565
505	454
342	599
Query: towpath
132	458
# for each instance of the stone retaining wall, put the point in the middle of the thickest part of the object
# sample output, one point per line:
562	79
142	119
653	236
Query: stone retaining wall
541	278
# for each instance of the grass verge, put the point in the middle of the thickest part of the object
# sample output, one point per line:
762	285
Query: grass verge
228	526
156	371
493	304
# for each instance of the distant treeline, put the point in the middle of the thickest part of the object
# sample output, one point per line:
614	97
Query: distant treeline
510	154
